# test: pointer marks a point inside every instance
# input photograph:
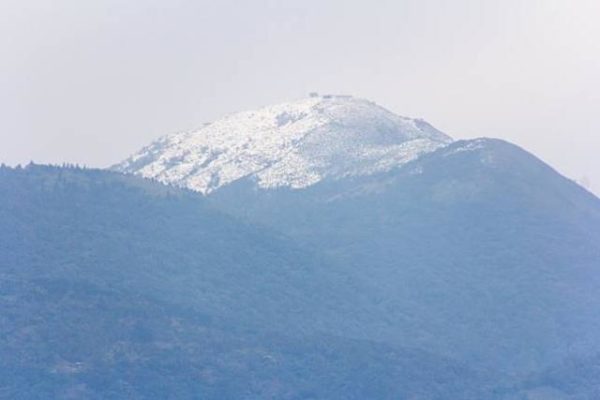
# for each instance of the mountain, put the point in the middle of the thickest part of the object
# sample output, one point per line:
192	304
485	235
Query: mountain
291	145
474	250
112	286
334	251
477	251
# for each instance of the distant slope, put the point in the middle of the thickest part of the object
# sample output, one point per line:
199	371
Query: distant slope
116	287
478	250
122	232
64	340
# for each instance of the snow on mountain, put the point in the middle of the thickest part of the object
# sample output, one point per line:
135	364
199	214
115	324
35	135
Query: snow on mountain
294	145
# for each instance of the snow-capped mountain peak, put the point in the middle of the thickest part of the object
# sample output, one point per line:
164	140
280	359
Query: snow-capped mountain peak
293	144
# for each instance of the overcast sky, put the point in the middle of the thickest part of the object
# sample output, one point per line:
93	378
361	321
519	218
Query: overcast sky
91	81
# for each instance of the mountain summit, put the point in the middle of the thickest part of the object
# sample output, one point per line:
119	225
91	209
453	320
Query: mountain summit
295	145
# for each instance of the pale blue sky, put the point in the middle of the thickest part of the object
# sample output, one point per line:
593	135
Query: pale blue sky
92	81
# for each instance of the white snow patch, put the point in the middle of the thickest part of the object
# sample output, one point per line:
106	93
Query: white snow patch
294	144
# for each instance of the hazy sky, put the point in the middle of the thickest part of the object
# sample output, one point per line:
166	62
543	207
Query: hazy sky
90	81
